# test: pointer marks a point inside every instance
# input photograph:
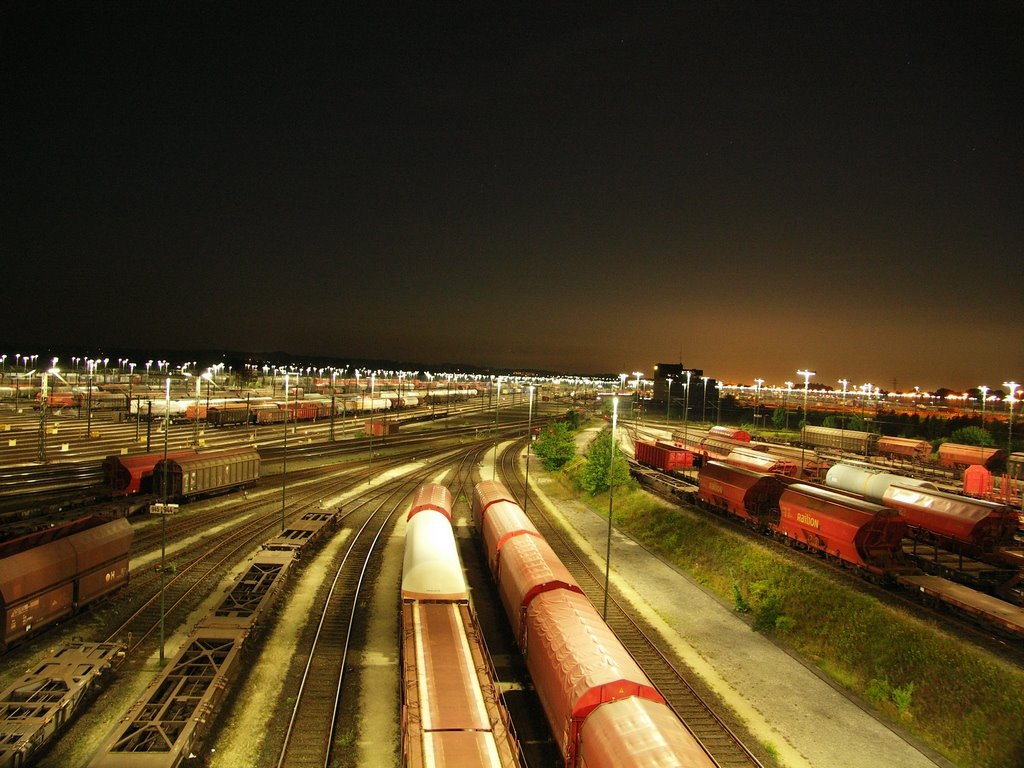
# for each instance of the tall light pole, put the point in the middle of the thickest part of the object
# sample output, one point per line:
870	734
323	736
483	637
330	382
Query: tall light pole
686	405
845	383
984	396
163	513
789	391
611	493
704	401
43	406
807	385
529	442
497	402
668	400
284	461
1013	385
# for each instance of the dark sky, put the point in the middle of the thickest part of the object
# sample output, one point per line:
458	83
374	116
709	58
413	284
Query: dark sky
748	188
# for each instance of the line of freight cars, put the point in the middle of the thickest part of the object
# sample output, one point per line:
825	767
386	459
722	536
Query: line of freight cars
974	527
603	710
51	574
181	474
165	727
868	536
452	713
952	455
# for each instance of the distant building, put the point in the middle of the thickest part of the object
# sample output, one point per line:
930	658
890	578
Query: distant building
702	395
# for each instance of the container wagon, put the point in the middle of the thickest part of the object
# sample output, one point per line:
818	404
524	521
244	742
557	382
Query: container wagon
206	473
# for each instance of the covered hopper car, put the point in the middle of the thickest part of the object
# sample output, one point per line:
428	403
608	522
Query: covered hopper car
960	456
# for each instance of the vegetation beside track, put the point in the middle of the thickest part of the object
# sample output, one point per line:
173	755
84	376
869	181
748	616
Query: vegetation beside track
963	702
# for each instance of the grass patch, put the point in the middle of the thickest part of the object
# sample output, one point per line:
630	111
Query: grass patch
963	702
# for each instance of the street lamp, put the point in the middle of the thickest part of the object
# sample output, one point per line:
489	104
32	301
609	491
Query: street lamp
529	441
789	391
1013	389
668	400
284	460
845	383
984	396
803	441
611	493
163	513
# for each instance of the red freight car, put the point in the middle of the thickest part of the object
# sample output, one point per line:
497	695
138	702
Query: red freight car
761	461
526	568
484	495
128	475
959	456
752	496
857	532
937	515
505	520
664	456
50	574
733	433
910	448
563	625
637	732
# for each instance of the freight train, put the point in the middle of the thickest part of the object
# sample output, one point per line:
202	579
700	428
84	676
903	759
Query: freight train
602	708
50	574
188	473
452	713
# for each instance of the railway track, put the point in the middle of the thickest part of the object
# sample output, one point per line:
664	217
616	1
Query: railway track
718	739
320	689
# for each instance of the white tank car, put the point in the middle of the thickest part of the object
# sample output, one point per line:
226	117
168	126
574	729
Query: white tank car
869	483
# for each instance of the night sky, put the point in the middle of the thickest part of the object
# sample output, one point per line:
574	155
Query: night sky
747	188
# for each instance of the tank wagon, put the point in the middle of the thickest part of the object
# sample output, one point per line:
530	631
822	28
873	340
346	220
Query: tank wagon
51	574
602	708
452	713
908	448
206	473
848	440
960	456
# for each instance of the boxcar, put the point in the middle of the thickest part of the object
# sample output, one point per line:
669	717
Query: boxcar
206	473
128	475
864	443
733	433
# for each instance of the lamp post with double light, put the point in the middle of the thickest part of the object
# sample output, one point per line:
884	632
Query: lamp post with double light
1013	385
686	405
668	399
704	401
984	396
803	439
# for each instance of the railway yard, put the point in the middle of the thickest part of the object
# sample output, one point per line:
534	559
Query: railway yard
286	610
